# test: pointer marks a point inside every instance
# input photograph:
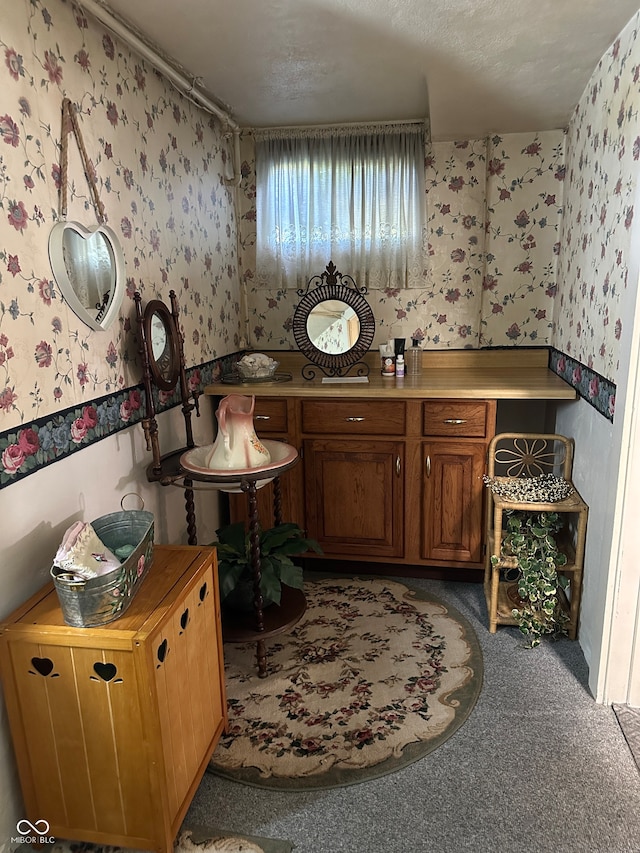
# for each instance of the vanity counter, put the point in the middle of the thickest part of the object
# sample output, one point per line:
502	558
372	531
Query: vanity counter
392	468
456	374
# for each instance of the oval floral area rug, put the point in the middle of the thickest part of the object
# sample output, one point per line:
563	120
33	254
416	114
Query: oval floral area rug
373	677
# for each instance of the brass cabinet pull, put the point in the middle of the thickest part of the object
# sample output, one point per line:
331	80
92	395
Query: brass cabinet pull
354	420
427	465
398	466
263	417
454	421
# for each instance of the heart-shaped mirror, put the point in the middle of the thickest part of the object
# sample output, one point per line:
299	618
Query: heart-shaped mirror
88	266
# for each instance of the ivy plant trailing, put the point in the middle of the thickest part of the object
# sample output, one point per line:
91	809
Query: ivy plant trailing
530	543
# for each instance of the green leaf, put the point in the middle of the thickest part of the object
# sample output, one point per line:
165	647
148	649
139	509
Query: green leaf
234	536
270	587
228	577
292	575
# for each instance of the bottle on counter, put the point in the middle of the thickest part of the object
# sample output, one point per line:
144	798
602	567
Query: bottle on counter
399	366
387	360
414	358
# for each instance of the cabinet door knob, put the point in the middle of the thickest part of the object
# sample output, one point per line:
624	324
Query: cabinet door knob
427	465
354	420
398	466
263	417
455	421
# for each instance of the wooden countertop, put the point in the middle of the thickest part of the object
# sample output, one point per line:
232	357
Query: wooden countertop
446	374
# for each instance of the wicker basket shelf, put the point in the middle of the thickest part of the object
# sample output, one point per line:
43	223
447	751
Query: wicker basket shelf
553	453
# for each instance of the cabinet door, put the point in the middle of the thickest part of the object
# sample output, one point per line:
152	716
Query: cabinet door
354	496
186	658
452	501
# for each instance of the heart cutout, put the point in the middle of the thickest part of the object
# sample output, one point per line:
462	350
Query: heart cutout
106	671
184	619
203	592
88	266
162	651
44	666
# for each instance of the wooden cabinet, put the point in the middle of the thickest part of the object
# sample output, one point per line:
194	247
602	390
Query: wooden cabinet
453	492
354	417
354	486
452	501
113	726
385	480
354	496
447	415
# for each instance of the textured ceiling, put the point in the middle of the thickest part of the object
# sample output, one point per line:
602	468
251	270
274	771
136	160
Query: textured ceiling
475	66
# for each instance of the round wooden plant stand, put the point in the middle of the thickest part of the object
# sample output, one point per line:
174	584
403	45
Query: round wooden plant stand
264	622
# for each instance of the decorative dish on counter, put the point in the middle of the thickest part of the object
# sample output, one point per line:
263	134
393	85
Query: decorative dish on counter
255	367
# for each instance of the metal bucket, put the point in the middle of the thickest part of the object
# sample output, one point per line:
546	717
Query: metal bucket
88	603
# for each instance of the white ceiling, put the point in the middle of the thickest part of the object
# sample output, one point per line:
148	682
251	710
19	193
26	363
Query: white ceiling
476	66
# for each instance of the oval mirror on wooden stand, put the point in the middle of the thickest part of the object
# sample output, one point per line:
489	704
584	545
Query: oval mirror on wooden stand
162	352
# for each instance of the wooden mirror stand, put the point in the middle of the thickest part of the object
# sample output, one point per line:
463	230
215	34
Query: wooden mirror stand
163	367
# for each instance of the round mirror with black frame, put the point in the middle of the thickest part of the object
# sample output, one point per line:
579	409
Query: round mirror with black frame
333	325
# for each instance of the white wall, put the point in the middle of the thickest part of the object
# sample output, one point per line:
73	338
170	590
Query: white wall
37	510
595	466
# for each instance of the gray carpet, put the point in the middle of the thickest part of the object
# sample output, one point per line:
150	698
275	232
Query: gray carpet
629	720
538	767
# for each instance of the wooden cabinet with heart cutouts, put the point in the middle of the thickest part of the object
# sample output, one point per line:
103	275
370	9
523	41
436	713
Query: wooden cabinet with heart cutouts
113	726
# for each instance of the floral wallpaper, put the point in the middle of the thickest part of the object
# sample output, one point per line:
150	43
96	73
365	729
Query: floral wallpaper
161	166
494	212
529	234
603	163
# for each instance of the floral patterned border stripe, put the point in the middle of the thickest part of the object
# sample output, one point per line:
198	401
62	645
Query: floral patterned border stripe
29	448
591	386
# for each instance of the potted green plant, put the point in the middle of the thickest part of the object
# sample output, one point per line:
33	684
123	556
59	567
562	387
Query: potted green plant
277	546
530	544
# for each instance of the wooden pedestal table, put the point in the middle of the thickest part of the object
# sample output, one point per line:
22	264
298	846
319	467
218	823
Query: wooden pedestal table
276	618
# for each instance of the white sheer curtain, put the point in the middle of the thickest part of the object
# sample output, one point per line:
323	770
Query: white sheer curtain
354	196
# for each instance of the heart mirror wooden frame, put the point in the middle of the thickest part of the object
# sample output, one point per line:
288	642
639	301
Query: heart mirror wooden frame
88	267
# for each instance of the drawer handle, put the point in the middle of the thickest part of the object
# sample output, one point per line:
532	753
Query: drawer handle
354	420
454	421
427	465
398	466
263	417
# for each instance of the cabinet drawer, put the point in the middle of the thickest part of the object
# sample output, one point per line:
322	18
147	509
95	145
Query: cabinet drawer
270	415
354	417
455	418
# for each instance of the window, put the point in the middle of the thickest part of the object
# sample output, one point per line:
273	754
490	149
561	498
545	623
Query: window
354	197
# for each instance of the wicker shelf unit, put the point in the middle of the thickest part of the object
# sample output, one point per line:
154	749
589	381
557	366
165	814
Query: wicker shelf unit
513	455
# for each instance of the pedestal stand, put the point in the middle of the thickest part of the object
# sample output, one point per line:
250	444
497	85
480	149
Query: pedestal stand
276	618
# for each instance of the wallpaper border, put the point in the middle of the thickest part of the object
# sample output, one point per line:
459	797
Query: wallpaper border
27	449
591	386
